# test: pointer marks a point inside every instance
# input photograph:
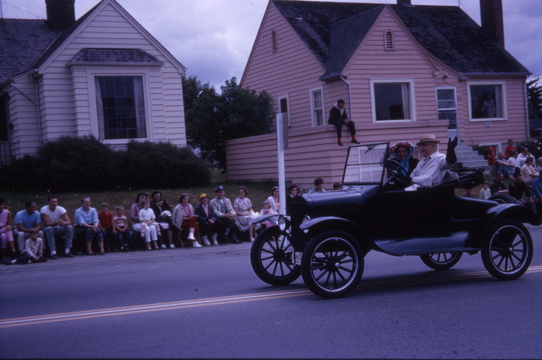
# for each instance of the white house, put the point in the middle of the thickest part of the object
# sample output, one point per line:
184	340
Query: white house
102	75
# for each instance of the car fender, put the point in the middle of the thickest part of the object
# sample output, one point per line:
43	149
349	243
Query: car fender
272	217
511	211
325	223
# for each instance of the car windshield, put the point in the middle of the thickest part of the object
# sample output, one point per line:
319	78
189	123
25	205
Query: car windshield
364	163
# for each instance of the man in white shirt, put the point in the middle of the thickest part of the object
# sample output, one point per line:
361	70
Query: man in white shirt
524	155
57	224
432	167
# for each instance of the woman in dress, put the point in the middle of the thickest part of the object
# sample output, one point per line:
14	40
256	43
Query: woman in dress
184	217
528	171
6	233
162	211
274	199
243	210
135	209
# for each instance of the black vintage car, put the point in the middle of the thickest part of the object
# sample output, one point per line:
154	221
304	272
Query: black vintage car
325	236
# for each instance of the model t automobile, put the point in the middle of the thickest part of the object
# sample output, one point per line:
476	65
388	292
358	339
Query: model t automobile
325	236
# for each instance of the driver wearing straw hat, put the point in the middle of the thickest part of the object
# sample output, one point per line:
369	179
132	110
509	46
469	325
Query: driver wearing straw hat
432	167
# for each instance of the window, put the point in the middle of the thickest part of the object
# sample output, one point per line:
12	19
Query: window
120	105
388	40
446	106
317	107
392	100
486	101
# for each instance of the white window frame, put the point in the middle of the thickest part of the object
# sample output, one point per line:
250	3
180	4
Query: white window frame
455	100
93	106
504	110
313	108
412	99
282	97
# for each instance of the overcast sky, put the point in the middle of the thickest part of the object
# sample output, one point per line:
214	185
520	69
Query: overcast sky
213	38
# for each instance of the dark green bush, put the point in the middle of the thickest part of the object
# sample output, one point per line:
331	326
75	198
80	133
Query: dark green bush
162	165
83	164
75	164
19	175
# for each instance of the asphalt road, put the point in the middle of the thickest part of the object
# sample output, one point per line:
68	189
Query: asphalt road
208	303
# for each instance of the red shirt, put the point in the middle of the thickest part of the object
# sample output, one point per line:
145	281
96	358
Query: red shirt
105	220
508	149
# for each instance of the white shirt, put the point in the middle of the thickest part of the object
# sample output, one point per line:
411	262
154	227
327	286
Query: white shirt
514	161
54	216
430	171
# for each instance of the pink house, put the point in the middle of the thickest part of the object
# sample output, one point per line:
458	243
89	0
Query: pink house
404	70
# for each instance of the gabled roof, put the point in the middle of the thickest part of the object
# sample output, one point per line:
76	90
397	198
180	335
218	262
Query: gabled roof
446	32
21	43
346	35
92	55
28	44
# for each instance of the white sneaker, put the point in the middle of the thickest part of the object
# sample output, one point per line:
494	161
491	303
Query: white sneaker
191	237
196	244
251	239
215	241
205	241
163	246
172	246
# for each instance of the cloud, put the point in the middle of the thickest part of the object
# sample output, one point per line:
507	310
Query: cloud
213	38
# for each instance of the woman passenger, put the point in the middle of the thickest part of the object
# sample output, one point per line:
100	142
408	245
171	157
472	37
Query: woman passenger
402	152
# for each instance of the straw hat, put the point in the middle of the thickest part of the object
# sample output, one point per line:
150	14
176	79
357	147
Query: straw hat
202	195
428	138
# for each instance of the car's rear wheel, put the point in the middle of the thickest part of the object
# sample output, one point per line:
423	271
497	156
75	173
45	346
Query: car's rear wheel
271	257
332	264
441	261
508	250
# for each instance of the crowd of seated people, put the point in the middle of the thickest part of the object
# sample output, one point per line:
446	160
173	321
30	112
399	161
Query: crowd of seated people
30	235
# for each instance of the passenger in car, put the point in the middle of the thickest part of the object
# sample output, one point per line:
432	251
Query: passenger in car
402	152
432	168
517	189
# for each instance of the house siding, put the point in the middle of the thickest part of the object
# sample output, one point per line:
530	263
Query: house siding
67	94
312	150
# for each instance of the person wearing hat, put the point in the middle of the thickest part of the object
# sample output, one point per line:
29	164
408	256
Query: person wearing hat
224	212
432	167
207	220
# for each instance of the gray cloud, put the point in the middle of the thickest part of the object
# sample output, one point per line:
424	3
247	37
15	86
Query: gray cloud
213	38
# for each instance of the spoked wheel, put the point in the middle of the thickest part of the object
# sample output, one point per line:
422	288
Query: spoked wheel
441	261
332	264
508	250
271	257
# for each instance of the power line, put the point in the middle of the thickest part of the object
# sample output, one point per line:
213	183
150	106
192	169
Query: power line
24	11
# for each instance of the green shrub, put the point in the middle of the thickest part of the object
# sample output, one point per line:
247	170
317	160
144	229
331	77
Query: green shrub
19	175
162	165
76	164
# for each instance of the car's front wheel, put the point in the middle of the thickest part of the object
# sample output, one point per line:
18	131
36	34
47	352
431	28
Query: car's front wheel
271	257
508	250
441	261
332	264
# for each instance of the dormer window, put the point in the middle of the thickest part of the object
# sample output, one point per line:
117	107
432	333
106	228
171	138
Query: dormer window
388	40
275	41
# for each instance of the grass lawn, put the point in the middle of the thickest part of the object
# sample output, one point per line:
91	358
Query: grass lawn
257	193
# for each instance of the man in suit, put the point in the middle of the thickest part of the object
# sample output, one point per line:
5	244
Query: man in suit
338	117
224	212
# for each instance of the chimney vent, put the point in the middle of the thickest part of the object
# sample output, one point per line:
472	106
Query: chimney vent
60	14
492	19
